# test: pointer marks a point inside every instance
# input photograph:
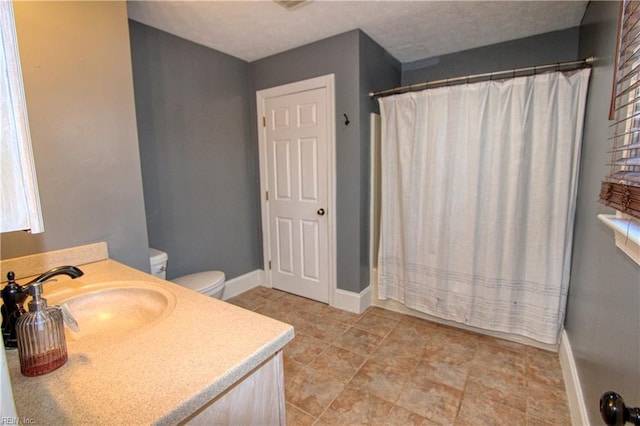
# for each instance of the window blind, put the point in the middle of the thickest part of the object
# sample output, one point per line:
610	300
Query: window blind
621	188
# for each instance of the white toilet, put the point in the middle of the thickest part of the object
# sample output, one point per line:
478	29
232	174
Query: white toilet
209	283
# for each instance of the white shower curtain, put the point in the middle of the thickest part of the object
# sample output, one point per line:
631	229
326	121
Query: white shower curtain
478	198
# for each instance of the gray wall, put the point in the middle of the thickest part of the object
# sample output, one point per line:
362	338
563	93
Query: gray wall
345	55
336	55
603	318
200	157
77	76
199	163
377	70
556	46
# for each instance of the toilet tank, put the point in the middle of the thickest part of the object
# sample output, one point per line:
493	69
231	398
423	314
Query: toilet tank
158	260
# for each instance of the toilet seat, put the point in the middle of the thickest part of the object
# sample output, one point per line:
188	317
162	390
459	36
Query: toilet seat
203	282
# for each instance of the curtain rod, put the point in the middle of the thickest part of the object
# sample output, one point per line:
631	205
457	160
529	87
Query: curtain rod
490	75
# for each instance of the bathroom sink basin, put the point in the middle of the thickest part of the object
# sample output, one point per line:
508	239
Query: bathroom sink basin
116	308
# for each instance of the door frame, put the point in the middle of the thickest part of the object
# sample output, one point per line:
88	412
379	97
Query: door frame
327	82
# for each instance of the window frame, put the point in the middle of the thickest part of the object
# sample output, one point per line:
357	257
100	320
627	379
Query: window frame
619	190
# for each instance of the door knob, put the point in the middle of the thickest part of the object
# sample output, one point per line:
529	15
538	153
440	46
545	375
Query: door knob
320	212
614	412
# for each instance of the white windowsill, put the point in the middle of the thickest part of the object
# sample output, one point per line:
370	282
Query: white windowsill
627	233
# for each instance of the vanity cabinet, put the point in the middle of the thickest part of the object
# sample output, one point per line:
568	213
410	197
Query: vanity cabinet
19	200
225	367
258	399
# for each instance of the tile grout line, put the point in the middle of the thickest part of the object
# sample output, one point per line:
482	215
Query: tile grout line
329	339
404	384
464	388
367	358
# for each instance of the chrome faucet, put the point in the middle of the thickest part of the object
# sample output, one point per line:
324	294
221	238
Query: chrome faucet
14	295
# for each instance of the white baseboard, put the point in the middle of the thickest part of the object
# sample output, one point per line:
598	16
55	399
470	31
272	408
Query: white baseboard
352	302
342	299
238	285
575	399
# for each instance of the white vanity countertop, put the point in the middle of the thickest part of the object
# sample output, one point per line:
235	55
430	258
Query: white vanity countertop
160	373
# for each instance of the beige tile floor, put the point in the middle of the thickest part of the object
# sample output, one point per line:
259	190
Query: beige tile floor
385	368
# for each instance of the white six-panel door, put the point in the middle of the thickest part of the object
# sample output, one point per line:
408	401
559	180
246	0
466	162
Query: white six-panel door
295	154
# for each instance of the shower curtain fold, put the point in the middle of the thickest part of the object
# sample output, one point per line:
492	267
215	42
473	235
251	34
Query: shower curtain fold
478	197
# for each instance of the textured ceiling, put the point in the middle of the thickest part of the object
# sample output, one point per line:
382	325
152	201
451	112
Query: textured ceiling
408	30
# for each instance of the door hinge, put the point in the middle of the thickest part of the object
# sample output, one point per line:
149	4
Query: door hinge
269	265
266	194
264	121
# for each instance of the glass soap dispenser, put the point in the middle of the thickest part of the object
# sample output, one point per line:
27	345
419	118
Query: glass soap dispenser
41	343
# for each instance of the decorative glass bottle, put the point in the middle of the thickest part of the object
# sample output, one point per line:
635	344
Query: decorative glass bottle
41	343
